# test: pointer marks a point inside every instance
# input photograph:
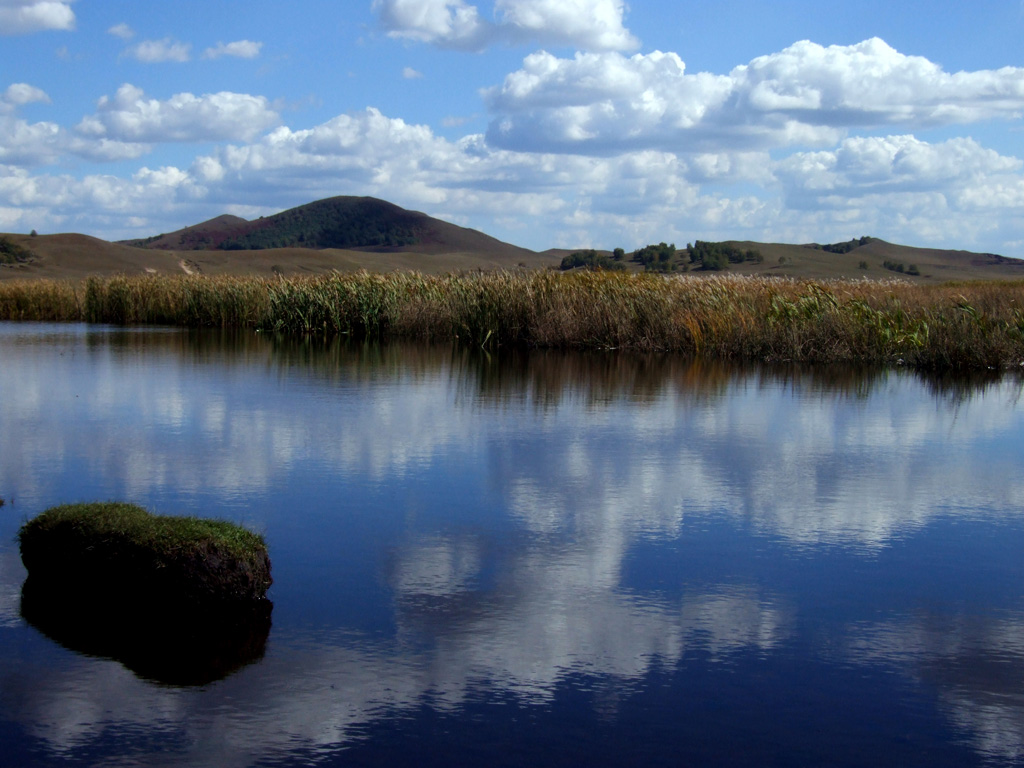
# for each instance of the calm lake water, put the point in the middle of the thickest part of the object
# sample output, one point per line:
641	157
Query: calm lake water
543	559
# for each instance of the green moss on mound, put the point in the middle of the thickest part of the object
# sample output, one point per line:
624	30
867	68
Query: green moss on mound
125	551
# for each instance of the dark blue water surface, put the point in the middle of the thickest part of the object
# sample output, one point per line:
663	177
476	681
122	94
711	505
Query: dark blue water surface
532	559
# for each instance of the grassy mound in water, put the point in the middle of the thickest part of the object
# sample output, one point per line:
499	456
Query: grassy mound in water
121	550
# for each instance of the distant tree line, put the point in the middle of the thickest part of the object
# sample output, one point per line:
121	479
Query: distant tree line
705	256
665	257
592	260
898	266
718	256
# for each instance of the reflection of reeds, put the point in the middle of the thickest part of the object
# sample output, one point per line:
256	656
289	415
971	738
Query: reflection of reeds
969	325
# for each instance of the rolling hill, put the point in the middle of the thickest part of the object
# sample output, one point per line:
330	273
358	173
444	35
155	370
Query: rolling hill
339	233
340	223
811	260
350	233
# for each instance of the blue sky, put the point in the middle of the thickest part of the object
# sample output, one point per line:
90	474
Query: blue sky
547	123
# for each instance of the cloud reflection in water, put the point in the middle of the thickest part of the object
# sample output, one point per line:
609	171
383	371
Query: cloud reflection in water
576	462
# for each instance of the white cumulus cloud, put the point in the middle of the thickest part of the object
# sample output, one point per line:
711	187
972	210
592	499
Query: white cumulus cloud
862	165
451	23
19	94
122	31
24	143
106	150
806	95
873	84
593	25
159	51
955	191
130	116
587	24
20	17
241	49
27	144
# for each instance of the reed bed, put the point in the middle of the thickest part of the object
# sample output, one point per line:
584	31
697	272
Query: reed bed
953	326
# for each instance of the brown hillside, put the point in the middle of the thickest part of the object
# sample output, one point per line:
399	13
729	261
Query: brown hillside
437	246
75	257
434	246
934	265
203	235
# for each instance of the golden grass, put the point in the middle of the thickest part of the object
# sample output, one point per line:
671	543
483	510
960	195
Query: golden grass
951	326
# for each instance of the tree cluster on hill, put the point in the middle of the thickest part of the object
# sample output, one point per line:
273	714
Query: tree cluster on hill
592	260
846	247
657	258
899	266
718	256
329	225
665	257
194	241
12	253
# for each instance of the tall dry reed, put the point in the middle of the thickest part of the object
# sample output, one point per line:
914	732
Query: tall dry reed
41	300
969	325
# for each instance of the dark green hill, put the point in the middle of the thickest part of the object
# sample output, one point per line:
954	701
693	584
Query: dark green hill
338	222
348	223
